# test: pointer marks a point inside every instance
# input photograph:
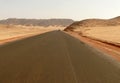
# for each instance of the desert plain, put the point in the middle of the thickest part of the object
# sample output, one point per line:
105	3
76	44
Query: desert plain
10	33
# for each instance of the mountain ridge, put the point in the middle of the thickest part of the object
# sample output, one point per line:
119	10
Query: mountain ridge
37	22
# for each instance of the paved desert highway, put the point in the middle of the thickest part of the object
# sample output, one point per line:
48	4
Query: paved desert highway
55	57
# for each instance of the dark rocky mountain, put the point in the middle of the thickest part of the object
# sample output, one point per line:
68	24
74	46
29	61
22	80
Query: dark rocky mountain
94	23
38	22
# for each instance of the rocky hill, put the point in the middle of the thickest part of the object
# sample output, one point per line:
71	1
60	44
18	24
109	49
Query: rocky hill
94	23
38	22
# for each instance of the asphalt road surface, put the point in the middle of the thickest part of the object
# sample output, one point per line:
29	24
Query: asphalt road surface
55	57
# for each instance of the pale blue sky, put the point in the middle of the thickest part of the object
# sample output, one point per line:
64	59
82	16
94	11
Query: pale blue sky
73	9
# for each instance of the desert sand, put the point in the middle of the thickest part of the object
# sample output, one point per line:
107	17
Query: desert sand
9	33
109	34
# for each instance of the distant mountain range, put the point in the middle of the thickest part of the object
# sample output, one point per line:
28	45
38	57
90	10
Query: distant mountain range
94	23
38	22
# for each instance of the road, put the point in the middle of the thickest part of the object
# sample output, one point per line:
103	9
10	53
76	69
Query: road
55	57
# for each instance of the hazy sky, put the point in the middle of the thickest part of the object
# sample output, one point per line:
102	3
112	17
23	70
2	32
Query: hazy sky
73	9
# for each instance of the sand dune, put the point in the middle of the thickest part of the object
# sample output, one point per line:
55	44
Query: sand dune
94	23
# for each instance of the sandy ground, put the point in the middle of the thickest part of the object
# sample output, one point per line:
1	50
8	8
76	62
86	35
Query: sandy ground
10	33
110	49
105	34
